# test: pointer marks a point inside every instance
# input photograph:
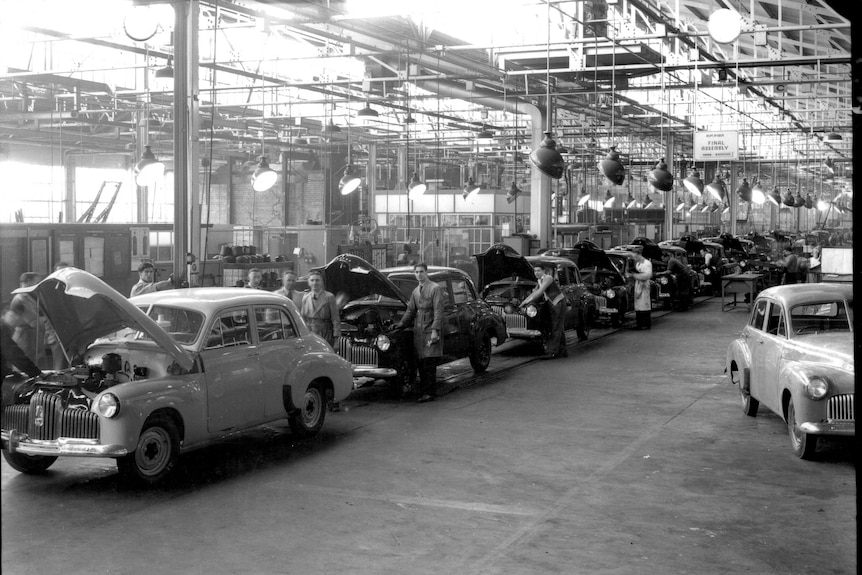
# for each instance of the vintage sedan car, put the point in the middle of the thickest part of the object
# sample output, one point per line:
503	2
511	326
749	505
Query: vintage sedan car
676	288
507	278
795	357
614	293
160	374
623	259
374	301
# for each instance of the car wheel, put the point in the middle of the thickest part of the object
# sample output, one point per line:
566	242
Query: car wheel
749	404
31	464
155	454
480	357
804	444
312	411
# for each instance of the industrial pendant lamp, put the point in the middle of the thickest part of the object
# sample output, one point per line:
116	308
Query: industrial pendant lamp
743	192
717	188
758	196
724	25
774	196
349	181
547	159
583	198
660	178
612	168
367	112
609	199
693	183
798	201
167	72
707	207
470	190
694	207
788	199
513	193
809	202
631	202
415	188
833	138
681	205
648	203
264	177
148	169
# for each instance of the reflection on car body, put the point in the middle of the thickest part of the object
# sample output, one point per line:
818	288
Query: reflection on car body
164	373
795	357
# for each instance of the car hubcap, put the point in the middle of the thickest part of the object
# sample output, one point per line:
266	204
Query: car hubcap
153	451
313	407
795	433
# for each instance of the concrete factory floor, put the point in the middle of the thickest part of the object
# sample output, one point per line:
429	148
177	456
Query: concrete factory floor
631	456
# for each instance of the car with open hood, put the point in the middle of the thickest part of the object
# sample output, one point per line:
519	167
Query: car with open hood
613	292
676	288
795	357
161	374
507	278
375	300
719	265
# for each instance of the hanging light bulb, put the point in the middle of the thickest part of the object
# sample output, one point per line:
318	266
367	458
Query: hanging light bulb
822	204
743	192
660	178
717	189
547	159
415	188
609	199
263	177
470	190
349	181
758	196
513	193
693	183
148	170
612	168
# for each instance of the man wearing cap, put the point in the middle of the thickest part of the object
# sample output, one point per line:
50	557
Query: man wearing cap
146	282
643	301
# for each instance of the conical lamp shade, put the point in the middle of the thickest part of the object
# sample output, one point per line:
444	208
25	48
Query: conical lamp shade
350	181
513	193
809	201
717	189
833	137
264	177
758	196
774	196
470	189
694	184
149	169
609	199
798	201
743	192
788	199
367	112
547	159
660	178
612	168
415	188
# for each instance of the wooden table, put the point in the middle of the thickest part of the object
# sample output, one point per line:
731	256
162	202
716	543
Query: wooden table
749	284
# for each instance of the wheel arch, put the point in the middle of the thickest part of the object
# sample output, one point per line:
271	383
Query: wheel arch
173	415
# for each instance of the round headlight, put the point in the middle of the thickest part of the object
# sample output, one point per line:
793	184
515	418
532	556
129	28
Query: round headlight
743	264
817	388
663	280
610	294
108	405
706	272
383	342
531	311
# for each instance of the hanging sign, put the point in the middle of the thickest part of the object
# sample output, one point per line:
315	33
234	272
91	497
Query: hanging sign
716	146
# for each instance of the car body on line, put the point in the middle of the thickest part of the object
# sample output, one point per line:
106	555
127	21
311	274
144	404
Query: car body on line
160	374
795	357
676	288
507	278
613	291
374	302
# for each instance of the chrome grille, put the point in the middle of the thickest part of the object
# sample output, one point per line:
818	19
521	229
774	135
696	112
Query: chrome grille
357	353
840	408
56	421
601	301
513	320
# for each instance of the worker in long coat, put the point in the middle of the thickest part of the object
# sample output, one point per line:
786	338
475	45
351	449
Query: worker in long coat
425	311
642	275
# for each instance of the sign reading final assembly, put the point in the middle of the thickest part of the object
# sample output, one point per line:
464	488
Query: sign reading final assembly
716	146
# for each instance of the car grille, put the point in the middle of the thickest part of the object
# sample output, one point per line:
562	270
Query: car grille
601	302
513	320
45	418
356	352
840	408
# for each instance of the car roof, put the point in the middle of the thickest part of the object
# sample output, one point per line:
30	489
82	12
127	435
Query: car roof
550	260
208	300
796	294
431	270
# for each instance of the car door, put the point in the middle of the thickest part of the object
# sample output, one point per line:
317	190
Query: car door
234	378
766	361
569	289
281	349
453	339
466	310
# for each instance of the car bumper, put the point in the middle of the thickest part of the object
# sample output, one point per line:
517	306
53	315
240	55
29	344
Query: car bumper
524	333
16	442
374	371
844	428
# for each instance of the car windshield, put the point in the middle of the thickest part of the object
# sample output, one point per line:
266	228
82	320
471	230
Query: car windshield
405	285
821	316
183	325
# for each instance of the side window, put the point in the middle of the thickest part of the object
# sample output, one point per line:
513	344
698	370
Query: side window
273	324
230	328
775	323
758	315
461	291
447	291
563	276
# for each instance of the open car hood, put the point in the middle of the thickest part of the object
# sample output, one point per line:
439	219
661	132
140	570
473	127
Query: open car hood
83	308
352	277
590	255
502	262
651	250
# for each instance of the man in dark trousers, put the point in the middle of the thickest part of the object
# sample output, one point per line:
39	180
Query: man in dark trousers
12	358
425	312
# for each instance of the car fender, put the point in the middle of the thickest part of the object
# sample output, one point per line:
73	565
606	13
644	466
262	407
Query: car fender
326	365
739	353
184	395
